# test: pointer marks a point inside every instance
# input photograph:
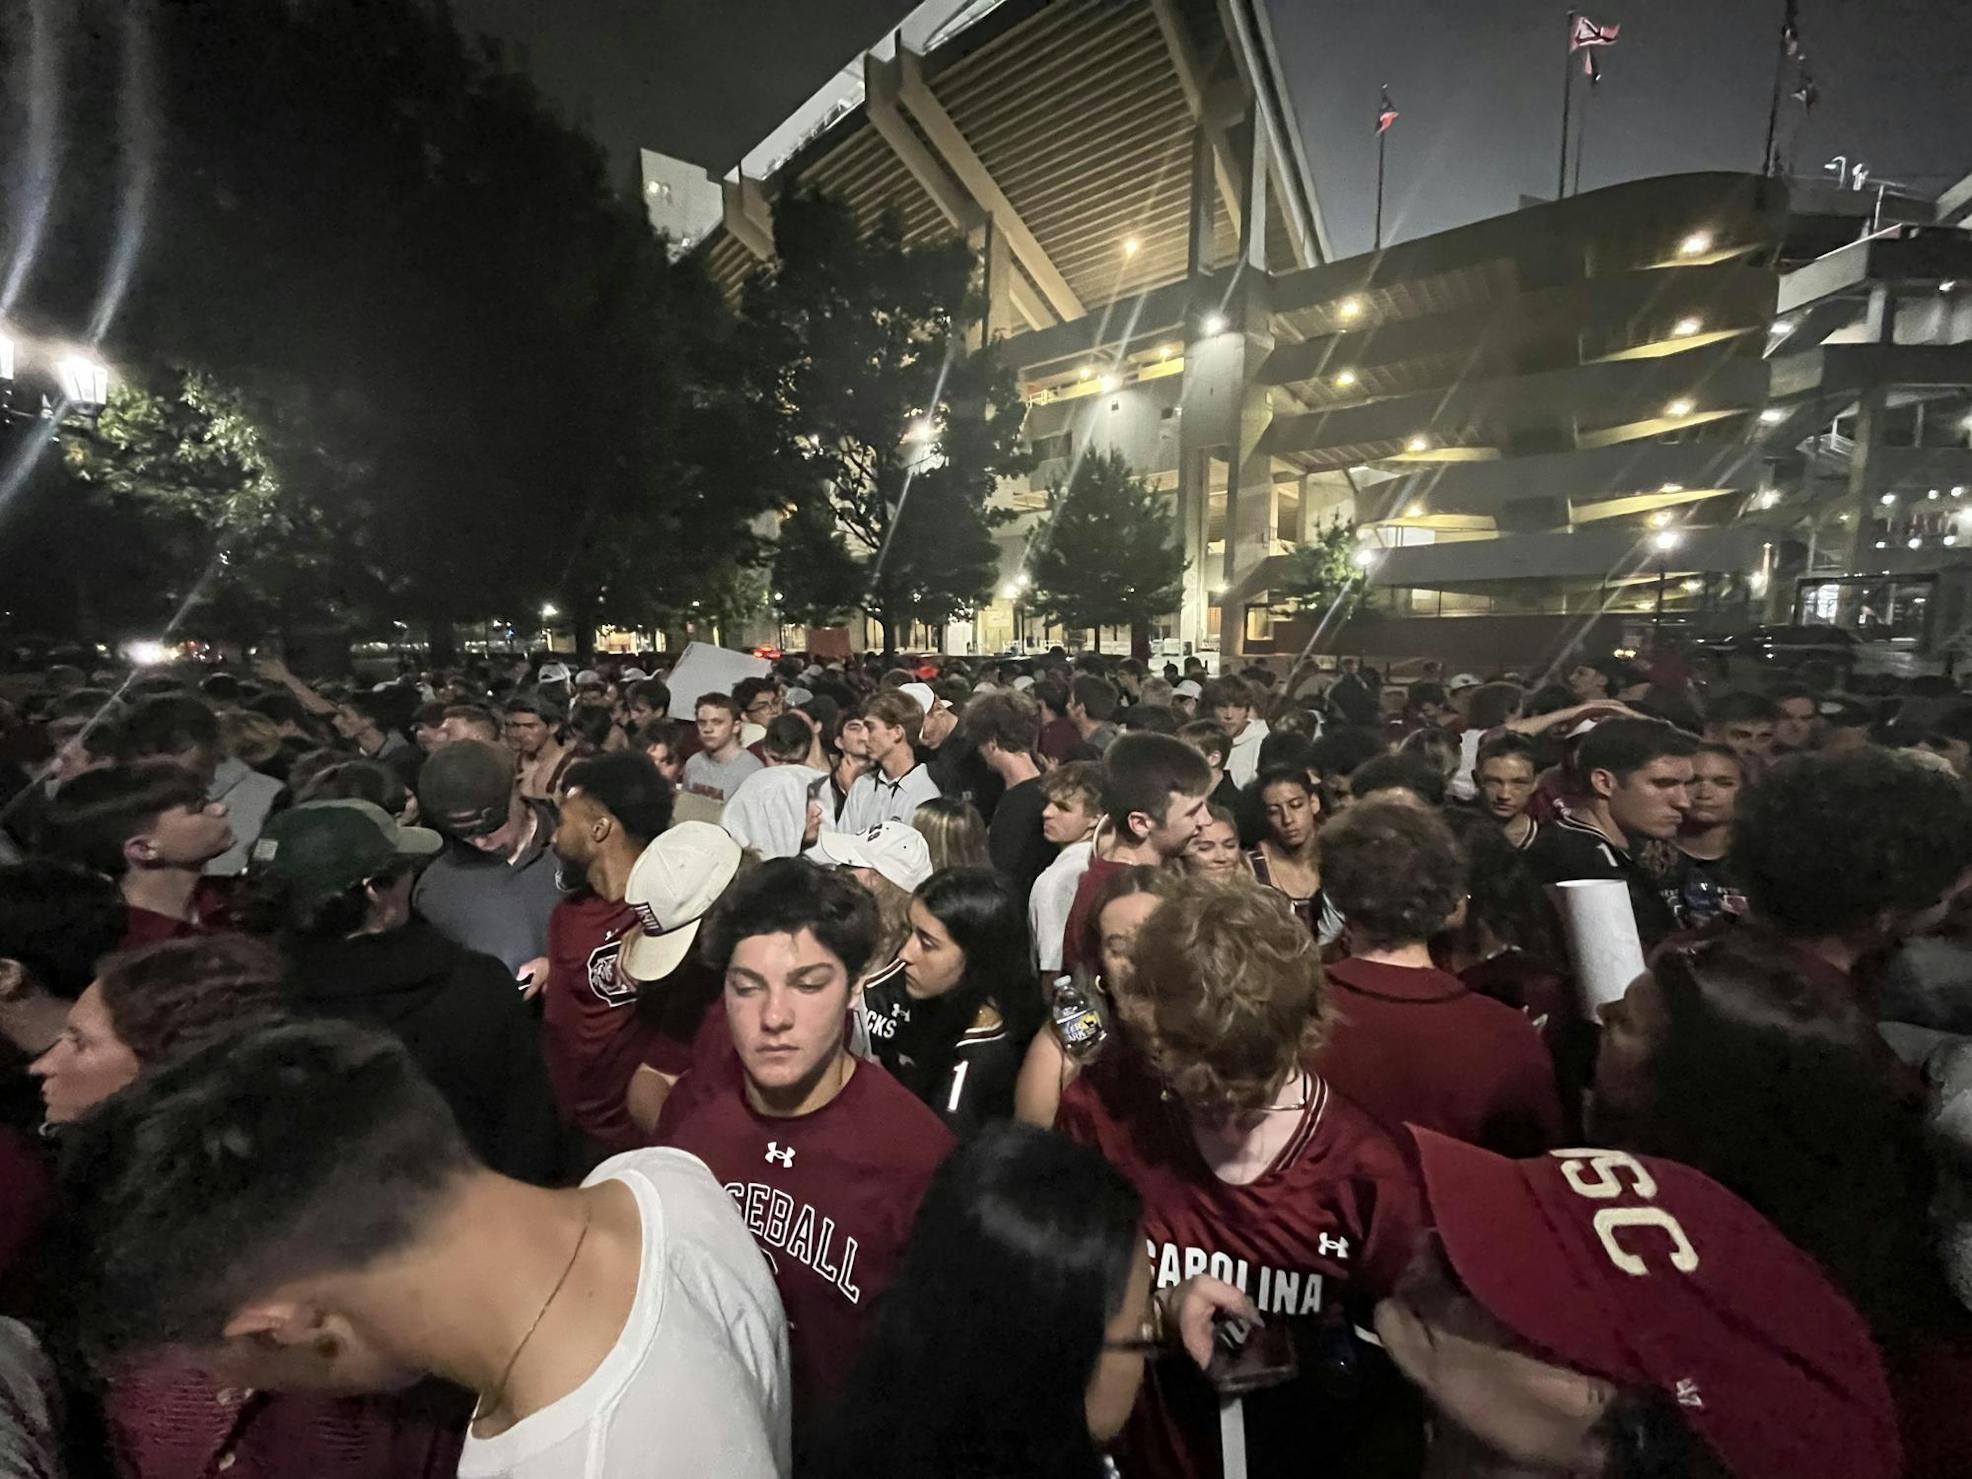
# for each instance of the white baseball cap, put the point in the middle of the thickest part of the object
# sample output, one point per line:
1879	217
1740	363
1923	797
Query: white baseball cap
896	850
926	699
675	882
552	672
588	676
632	675
1023	683
1187	689
1464	680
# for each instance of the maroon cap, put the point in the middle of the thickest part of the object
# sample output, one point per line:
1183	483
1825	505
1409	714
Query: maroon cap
1645	1273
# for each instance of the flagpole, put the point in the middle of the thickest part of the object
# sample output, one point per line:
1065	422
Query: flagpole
1382	137
1582	137
1567	91
1773	105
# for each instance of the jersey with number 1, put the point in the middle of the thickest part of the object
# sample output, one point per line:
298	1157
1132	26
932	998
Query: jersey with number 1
966	1075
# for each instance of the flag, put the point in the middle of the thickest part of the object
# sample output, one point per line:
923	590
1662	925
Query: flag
1386	113
1790	30
1806	93
1585	38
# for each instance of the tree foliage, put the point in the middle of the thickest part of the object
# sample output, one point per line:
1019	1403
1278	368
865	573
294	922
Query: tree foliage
1109	555
1323	574
889	437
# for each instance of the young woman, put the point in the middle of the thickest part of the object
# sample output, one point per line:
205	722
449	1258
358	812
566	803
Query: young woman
1013	1340
1214	852
1508	943
1288	859
953	831
953	1017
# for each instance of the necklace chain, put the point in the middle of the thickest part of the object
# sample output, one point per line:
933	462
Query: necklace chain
500	1391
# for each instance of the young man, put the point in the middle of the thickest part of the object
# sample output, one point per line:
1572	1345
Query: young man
1748	722
184	730
759	701
152	829
1206	737
1092	704
369	721
1154	789
826	1156
534	733
896	783
722	761
496	887
1504	779
1068	822
1711	888
345	1240
1411	1044
1638	778
1006	727
1523	1325
471	722
649	699
1184	698
1230	702
1799	726
663	741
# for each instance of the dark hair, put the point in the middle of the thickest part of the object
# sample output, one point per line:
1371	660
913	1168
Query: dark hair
1792	688
627	785
589	725
94	814
1436	746
221	688
1393	870
1503	897
1624	746
1148	719
1142	772
1741	707
1644	1434
161	995
169	724
1772	1083
1226	692
1411	772
57	921
1341	751
476	714
1724	752
667	732
356	780
1097	696
785	896
987	919
1429	693
1518	746
1283	775
651	691
428	716
748	689
261	1155
1285	747
282	908
384	709
1493	704
282	707
789	738
1206	737
1050	693
1009	719
1824	844
988	1336
542	707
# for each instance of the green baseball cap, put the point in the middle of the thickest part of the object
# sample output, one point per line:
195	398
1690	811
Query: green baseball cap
326	847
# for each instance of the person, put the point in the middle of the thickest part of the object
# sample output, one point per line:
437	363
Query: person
1747	724
951	1019
1724	1056
533	727
1842	856
1413	1045
1596	1313
792	739
1205	736
896	781
1228	702
1637	774
1006	727
1092	705
954	836
471	722
759	701
649	700
1215	852
372	722
183	730
351	1241
777	812
890	861
1068	822
716	769
826	1156
1038	1241
1507	944
1797	725
1251	1171
664	741
496	886
592	1034
331	884
1402	773
1288	858
592	730
1060	739
153	829
1504	777
1709	890
427	727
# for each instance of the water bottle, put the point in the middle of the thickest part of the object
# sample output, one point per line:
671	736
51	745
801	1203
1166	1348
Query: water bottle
1078	1020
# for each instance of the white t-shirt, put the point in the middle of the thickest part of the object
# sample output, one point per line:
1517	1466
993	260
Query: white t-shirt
874	798
697	1383
1244	761
1051	899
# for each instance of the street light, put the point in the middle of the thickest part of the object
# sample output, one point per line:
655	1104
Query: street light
1344	379
1418	443
1772	416
1682	406
549	613
6	355
1695	245
1212	323
1350	307
1684	328
85	381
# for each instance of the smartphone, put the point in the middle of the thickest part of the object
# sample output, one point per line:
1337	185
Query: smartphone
1250	1358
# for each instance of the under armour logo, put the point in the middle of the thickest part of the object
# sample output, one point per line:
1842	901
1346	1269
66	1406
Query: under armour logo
1325	1245
775	1153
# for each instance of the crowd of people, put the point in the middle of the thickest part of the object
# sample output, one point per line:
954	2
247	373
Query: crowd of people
1032	1068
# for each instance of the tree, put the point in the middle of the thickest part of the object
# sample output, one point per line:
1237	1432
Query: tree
889	438
1322	576
1109	554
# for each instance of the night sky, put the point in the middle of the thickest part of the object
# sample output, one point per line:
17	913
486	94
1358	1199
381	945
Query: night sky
1477	82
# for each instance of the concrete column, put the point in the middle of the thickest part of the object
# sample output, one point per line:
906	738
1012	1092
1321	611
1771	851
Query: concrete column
1865	483
1199	239
1194	512
998	257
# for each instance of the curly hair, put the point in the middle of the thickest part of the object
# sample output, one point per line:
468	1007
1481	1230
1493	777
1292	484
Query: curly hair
165	994
1008	719
1394	870
1076	784
1825	844
1229	990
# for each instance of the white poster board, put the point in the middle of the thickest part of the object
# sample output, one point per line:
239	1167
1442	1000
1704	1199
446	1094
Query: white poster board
1602	938
703	668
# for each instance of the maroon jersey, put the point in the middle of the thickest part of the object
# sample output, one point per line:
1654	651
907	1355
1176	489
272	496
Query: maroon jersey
1319	1236
1074	939
591	1031
1413	1046
829	1196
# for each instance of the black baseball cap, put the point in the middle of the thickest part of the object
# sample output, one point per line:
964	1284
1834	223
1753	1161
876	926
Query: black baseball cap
326	847
466	788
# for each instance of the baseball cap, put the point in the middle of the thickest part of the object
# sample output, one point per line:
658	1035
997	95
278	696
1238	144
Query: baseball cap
1188	689
895	850
588	678
325	847
552	672
1645	1272
1023	682
465	789
1464	680
926	670
926	699
673	885
632	675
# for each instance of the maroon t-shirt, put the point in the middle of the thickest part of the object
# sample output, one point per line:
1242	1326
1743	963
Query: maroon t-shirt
1412	1045
1323	1233
1074	955
829	1196
212	909
591	1031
